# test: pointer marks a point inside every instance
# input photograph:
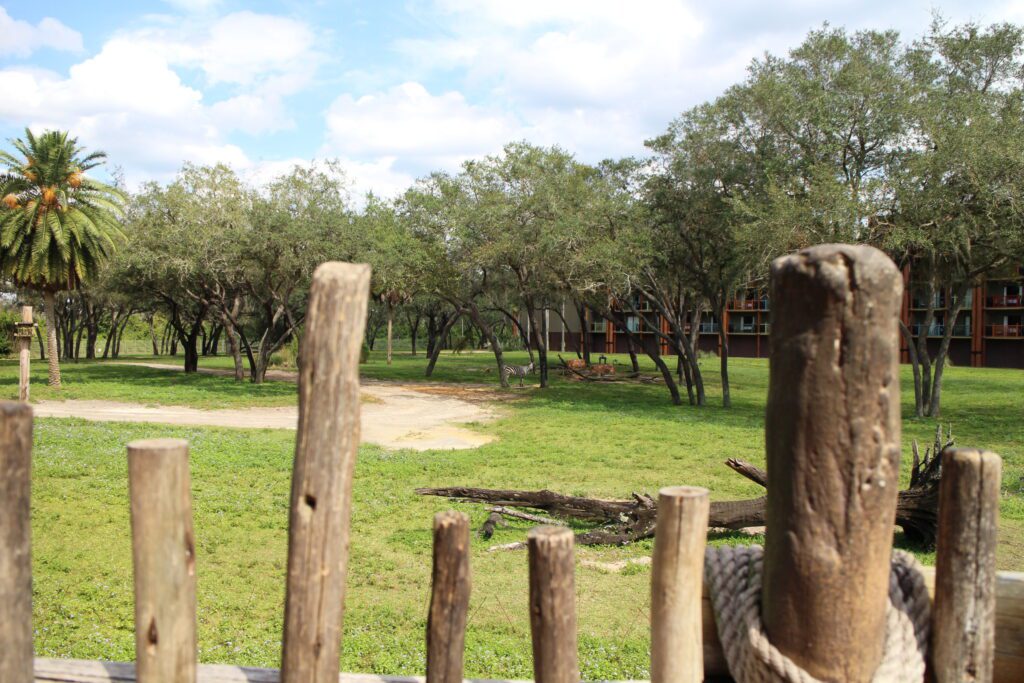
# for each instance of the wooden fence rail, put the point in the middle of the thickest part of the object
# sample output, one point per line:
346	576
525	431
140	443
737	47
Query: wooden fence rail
832	442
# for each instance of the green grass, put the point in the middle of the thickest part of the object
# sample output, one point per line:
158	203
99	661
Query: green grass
120	381
598	440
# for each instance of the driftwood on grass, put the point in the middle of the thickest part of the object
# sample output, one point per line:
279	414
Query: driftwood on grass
626	521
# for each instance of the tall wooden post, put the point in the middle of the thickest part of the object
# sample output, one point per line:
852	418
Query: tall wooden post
163	552
833	445
449	599
24	336
15	543
325	456
677	579
964	618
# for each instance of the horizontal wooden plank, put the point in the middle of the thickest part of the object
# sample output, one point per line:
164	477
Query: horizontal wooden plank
87	671
1008	665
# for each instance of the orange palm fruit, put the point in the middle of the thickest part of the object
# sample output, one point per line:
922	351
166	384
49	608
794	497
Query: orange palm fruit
49	196
11	200
75	179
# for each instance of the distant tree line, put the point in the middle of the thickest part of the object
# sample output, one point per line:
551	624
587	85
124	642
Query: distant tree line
915	148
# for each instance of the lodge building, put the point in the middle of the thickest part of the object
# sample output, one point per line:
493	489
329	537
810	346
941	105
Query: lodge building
989	332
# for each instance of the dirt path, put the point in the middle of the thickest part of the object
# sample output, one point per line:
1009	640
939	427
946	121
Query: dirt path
393	415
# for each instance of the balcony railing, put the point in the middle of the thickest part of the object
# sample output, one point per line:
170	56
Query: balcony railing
939	302
709	328
766	328
748	305
935	330
1004	331
1005	301
742	329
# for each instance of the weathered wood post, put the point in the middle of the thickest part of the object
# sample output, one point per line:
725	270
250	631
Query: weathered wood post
449	600
833	445
553	604
325	455
677	579
24	335
964	616
163	552
15	543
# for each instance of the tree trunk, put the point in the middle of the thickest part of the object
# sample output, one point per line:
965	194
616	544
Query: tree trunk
391	324
50	302
233	346
723	336
438	343
915	364
631	348
487	331
42	346
952	313
584	342
542	349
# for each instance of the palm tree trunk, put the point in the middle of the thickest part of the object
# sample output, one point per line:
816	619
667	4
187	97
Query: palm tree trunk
51	338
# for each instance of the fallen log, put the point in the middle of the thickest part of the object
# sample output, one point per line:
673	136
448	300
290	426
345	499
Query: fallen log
627	521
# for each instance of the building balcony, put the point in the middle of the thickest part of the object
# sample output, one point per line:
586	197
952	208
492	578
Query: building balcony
1013	331
709	328
935	330
748	305
765	328
1005	301
742	329
922	304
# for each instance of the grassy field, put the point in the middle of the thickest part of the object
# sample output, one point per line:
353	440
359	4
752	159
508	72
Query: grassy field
599	440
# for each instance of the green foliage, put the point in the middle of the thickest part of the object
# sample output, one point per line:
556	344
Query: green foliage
8	323
57	226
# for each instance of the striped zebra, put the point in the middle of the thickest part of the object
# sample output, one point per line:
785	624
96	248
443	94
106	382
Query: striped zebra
519	371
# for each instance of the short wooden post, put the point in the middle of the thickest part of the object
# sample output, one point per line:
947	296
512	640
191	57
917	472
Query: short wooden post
15	542
163	551
325	455
553	604
24	351
449	599
833	446
677	579
964	616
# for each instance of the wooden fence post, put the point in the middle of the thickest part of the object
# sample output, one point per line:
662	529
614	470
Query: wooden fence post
449	600
553	604
832	438
163	552
677	580
15	542
964	617
325	455
24	336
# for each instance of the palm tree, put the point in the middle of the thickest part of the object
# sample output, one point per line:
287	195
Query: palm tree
56	225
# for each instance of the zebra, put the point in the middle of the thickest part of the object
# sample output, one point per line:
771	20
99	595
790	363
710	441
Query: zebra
519	371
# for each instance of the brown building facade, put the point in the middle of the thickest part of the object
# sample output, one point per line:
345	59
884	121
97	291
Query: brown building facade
989	332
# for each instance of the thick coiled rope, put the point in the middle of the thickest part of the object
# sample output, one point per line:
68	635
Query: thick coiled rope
733	575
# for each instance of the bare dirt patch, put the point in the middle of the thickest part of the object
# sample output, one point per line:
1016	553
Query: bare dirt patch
393	415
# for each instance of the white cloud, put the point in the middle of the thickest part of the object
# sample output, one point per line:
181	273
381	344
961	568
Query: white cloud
421	131
127	101
21	39
131	99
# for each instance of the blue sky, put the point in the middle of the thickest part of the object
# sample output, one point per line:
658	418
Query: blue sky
393	90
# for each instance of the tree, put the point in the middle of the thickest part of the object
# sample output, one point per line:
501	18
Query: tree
56	225
297	222
958	216
395	256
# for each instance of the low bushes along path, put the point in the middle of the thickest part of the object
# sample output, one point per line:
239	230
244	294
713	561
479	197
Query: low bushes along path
394	415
